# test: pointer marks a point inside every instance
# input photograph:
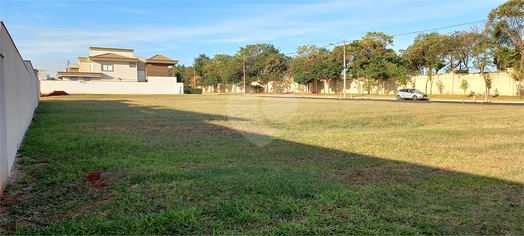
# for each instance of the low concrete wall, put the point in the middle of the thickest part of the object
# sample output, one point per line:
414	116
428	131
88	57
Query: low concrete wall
19	96
502	82
155	85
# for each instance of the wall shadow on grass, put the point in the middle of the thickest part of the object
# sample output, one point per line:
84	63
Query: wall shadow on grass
174	172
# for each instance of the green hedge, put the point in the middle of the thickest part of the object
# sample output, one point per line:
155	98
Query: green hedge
192	91
257	88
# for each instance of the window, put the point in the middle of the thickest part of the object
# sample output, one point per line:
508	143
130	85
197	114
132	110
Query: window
74	79
87	79
107	67
133	65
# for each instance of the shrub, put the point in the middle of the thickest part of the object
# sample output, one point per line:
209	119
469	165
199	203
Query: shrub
496	93
279	88
257	88
464	85
192	91
440	86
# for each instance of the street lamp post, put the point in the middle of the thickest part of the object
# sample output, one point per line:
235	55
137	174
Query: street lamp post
244	75
344	68
344	65
194	76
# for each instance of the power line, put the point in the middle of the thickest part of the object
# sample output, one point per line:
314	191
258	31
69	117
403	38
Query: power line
408	33
440	28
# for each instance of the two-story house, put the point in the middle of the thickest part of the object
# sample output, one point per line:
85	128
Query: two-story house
116	64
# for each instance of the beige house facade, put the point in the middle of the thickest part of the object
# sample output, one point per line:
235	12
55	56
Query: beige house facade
116	65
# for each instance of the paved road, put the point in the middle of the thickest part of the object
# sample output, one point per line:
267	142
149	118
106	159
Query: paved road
478	103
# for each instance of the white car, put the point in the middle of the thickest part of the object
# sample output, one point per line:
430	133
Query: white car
411	94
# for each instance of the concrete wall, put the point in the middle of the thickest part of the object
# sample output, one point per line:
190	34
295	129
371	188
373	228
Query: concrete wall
501	81
505	85
155	85
19	96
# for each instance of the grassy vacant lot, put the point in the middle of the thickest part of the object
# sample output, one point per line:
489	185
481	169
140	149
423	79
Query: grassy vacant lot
201	164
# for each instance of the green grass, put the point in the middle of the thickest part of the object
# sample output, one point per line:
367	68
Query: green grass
194	164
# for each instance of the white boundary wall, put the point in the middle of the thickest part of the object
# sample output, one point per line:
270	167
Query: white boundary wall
19	96
155	85
502	82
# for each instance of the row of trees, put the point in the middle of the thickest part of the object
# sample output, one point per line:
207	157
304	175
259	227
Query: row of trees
496	45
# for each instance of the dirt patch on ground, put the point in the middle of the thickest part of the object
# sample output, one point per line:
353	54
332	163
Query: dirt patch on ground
54	93
16	173
13	196
90	208
9	227
41	165
95	179
10	198
29	208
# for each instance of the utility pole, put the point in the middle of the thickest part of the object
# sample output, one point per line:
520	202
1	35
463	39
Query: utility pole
344	65
194	76
344	68
244	75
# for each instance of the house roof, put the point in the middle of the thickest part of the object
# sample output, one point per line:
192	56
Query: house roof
112	57
161	59
112	49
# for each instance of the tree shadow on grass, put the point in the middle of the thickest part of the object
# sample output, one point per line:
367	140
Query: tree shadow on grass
168	171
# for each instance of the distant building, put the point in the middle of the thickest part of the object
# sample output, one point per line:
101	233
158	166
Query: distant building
42	74
116	64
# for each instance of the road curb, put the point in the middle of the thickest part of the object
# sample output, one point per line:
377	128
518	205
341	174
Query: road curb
481	103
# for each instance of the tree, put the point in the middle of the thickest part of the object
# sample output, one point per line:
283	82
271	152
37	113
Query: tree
303	79
211	74
509	18
306	50
458	48
464	85
369	58
256	56
199	63
233	72
326	68
220	62
505	56
274	70
212	79
398	70
482	48
426	54
187	75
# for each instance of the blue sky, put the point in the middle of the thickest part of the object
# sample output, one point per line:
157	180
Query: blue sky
50	33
